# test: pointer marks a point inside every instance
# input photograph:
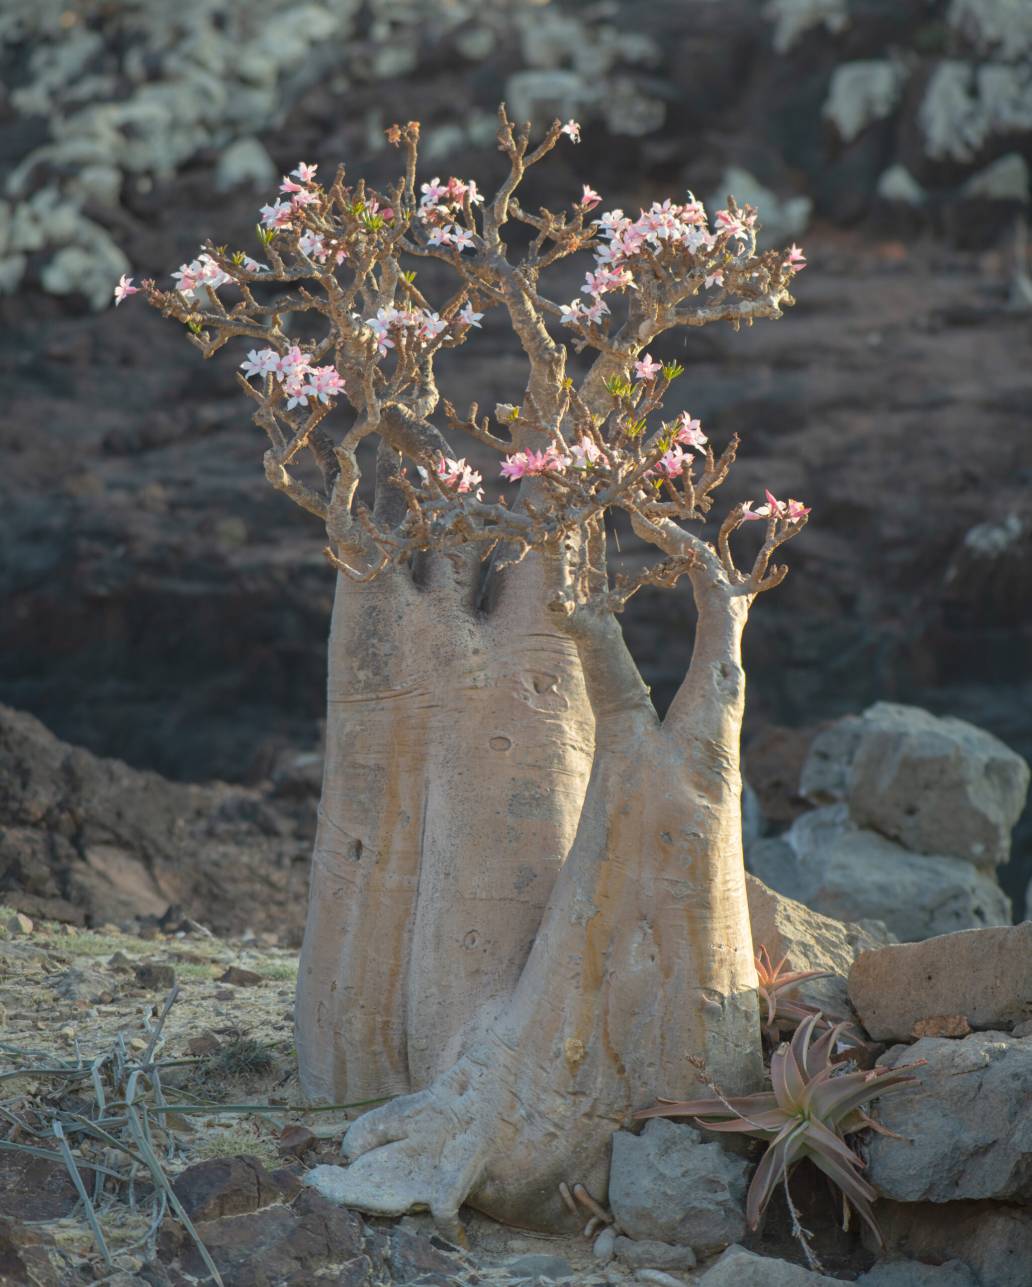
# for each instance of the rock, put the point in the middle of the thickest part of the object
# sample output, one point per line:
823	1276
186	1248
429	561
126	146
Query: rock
296	1139
861	92
911	1273
82	985
541	95
782	218
1006	179
550	1268
937	785
942	1025
240	978
993	1239
654	1255
824	777
24	1258
205	1043
282	1246
966	1126
668	1184
155	975
604	1246
245	161
19	924
229	1186
983	975
810	941
412	1254
825	861
897	184
740	1268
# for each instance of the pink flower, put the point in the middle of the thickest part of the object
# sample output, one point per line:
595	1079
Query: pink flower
795	510
313	245
186	278
305	172
593	312
796	260
585	453
689	432
430	325
458	475
432	192
671	464
647	369
457	190
440	236
288	185
468	315
303	198
324	382
589	199
462	238
572	129
124	289
715	278
531	463
790	511
261	362
253	266
277	215
571	313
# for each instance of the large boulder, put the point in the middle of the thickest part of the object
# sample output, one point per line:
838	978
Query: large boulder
993	1239
670	1185
912	1273
740	1268
829	863
967	1128
985	975
937	785
810	941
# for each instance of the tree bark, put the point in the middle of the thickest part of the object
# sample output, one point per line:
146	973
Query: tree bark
642	960
458	749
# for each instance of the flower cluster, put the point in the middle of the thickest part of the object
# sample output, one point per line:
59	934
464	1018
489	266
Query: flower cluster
423	324
440	208
625	240
529	464
203	271
280	214
294	371
789	510
455	475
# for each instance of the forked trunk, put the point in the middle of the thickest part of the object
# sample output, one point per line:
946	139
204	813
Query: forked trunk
643	960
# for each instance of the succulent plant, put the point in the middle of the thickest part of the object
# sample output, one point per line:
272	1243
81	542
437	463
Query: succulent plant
779	1010
812	1105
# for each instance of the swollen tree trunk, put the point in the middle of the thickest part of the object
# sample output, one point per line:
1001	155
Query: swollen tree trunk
458	749
642	961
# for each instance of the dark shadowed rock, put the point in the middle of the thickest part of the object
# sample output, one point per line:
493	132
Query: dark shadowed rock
993	1239
740	1268
226	1186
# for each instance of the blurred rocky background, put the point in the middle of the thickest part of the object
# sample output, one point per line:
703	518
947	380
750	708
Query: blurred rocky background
163	607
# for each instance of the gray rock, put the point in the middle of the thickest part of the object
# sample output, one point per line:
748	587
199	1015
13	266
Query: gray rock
668	1184
983	974
603	1248
1006	179
810	941
825	774
244	162
911	1273
781	218
831	865
653	1255
937	785
967	1127
541	95
740	1268
861	92
897	184
993	1239
550	1268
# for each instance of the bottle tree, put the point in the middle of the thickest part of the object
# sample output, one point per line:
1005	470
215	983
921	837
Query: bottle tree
527	907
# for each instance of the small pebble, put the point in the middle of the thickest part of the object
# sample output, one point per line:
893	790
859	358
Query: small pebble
19	923
604	1245
240	977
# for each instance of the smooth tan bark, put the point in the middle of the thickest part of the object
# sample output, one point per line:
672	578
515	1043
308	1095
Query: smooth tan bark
642	960
458	751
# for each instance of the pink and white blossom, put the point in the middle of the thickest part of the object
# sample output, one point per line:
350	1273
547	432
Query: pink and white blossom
469	316
790	511
533	463
462	238
672	463
795	260
646	368
260	362
589	198
586	452
572	128
304	172
124	289
689	432
324	383
715	278
277	215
